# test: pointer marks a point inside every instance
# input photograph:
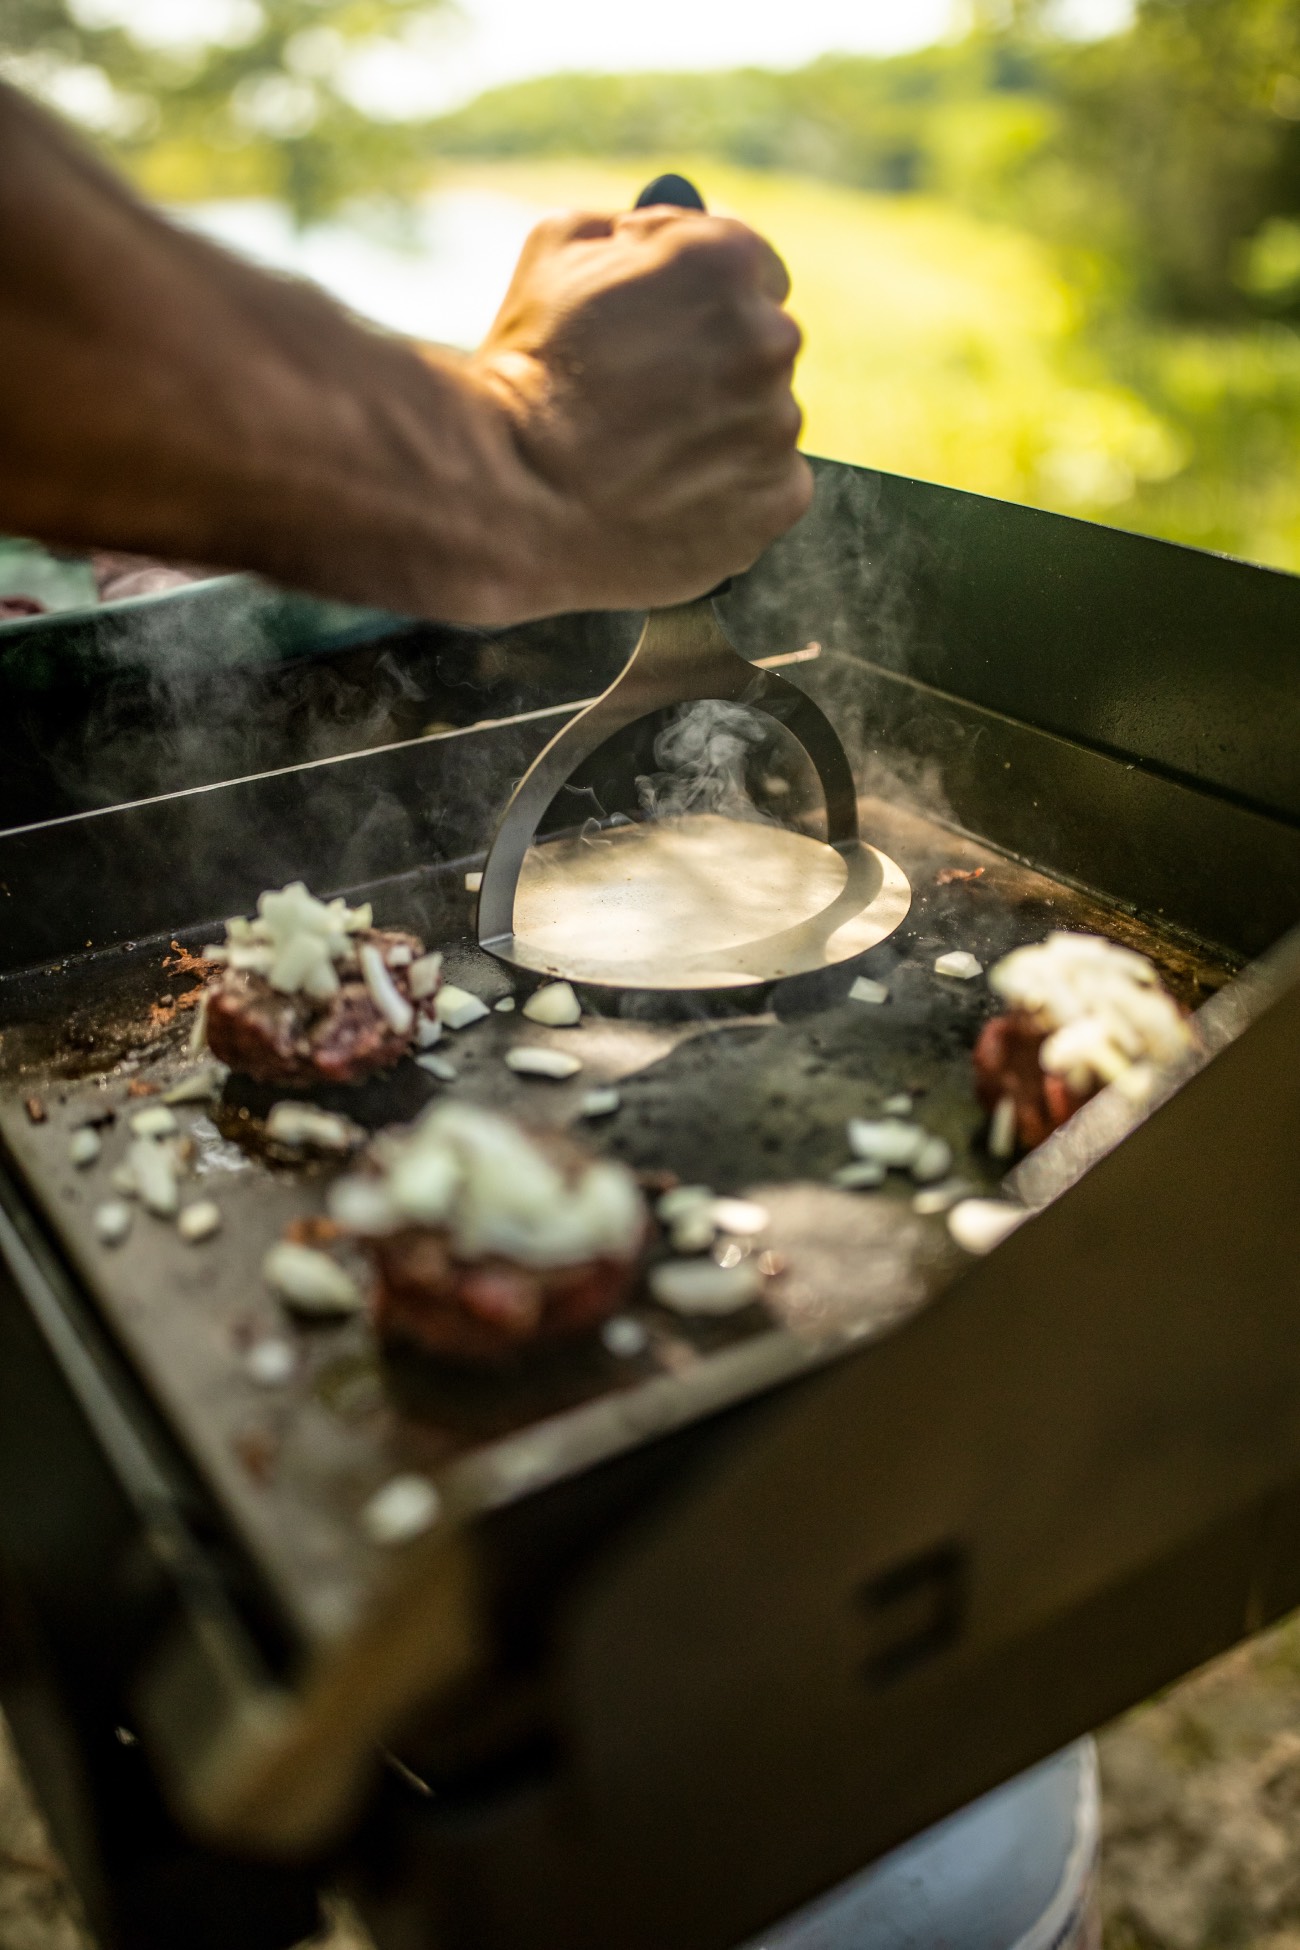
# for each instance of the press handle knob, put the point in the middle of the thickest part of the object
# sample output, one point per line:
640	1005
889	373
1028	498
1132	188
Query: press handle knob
677	190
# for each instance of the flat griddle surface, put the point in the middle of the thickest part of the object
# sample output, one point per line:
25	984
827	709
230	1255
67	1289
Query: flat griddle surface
749	1097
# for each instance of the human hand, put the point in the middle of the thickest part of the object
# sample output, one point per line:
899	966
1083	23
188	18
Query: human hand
644	364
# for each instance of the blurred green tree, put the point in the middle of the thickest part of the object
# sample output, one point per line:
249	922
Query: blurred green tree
227	97
1188	127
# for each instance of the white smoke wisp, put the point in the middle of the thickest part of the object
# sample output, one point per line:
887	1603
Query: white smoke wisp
703	755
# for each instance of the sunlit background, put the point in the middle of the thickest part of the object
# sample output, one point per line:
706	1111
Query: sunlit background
1046	249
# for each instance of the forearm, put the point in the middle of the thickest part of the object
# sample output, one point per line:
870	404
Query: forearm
159	396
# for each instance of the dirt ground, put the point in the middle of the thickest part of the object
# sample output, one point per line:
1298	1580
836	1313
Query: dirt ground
1202	1821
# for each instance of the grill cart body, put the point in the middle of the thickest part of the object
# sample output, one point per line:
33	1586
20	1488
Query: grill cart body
701	1632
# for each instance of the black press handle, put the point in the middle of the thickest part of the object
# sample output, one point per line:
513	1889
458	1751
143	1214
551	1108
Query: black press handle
677	190
683	195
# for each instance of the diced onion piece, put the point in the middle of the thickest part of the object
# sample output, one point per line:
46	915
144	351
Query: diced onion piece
682	1199
863	1176
932	1162
112	1222
440	1067
700	1286
625	1337
555	1005
403	1509
694	1231
154	1121
504	1005
199	1221
154	1170
865	990
939	1198
399	955
741	1216
425	975
886	1141
423	1183
270	1362
310	1281
199	1086
305	1127
1002	1129
456	1008
122	1179
602	1102
980	1224
84	1147
383	991
532	1062
198	1039
363	1205
959	965
428	1031
473	882
899	1106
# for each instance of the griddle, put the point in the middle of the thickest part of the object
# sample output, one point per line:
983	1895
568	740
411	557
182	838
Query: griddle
859	1552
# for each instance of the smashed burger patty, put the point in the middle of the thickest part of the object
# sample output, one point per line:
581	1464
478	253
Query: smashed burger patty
312	992
487	1238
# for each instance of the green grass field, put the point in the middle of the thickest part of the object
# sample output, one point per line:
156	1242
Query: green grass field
957	350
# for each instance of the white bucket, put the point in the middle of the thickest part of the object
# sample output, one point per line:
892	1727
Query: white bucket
1017	1870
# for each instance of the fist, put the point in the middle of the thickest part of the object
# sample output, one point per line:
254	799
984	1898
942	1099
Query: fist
644	363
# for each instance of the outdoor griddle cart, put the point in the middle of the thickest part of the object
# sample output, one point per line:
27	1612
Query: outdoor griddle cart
704	1627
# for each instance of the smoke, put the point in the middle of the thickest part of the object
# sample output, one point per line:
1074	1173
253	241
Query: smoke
704	753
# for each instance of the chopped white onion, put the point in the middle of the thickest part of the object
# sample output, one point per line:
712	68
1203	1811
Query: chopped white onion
200	1085
504	1005
863	1176
1002	1129
154	1121
694	1231
122	1179
400	955
700	1286
404	1508
624	1337
154	1169
554	1004
440	1067
363	1205
310	1281
898	1106
428	1031
865	990
473	882
939	1198
84	1146
456	1008
425	975
531	1062
1101	1005
301	1127
980	1224
959	965
198	1038
270	1363
112	1222
682	1199
601	1102
886	1141
199	1221
383	991
740	1216
496	1191
932	1162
